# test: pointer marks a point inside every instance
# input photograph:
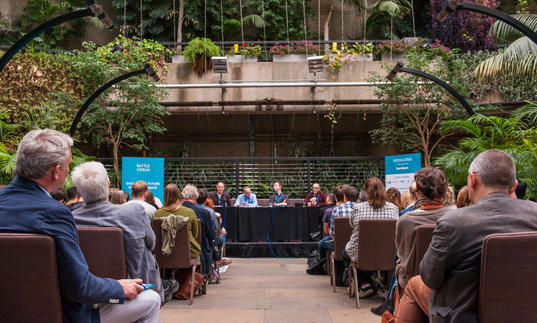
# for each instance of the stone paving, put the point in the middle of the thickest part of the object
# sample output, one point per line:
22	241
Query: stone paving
273	290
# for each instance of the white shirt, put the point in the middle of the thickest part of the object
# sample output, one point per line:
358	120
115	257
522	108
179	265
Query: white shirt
149	209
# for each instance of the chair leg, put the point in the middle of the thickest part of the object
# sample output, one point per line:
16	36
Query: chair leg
351	284
355	276
333	274
191	301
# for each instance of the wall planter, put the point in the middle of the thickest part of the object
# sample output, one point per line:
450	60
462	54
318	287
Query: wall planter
394	58
250	59
290	58
180	59
235	59
361	58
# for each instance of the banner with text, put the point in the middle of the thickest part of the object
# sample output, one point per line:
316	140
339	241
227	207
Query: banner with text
400	170
148	169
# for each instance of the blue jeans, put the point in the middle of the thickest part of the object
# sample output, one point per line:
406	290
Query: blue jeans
326	244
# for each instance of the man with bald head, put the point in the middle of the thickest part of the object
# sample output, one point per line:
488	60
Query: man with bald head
246	199
315	197
450	267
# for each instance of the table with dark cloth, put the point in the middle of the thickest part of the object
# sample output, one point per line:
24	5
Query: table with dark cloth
282	224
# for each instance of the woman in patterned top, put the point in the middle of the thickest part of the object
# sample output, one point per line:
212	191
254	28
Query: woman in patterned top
376	207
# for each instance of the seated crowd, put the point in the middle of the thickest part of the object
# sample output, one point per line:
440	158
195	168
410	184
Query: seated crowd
444	286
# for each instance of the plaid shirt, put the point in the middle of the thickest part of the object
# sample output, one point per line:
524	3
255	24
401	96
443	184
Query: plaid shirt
365	211
341	210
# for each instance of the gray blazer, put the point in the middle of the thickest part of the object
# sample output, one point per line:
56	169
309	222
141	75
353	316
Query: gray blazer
451	265
137	232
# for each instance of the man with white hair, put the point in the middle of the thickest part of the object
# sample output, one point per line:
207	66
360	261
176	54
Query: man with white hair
43	159
451	265
91	181
208	234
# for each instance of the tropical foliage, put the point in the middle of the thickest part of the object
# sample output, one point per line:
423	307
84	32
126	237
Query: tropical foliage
515	134
200	51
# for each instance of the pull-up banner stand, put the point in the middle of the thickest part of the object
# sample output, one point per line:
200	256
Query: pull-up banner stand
147	169
400	170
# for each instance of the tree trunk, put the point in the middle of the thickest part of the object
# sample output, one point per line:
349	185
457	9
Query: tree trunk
327	27
115	151
180	24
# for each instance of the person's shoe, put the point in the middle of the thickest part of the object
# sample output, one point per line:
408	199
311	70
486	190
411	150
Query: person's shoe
378	310
223	262
366	291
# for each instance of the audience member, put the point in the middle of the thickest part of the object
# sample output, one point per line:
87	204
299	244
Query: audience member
362	197
219	197
208	234
315	197
91	180
409	206
376	207
278	198
118	197
431	185
172	205
43	159
394	196
60	195
451	265
350	196
74	199
139	194
218	241
246	199
449	198
326	244
150	199
330	200
463	199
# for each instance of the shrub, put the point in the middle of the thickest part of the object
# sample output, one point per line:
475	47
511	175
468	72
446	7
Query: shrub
200	51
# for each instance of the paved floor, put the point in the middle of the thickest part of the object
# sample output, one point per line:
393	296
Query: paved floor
270	290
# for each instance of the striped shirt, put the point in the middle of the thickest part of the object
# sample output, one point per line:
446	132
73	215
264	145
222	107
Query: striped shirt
365	211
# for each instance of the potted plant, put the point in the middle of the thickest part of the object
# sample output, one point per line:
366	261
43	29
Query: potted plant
200	51
179	57
251	53
293	52
362	52
392	50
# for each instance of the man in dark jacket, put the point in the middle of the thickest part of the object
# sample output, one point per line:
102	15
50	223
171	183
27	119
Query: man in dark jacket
43	158
219	197
451	265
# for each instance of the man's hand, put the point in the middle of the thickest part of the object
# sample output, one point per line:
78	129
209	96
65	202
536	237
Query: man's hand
131	287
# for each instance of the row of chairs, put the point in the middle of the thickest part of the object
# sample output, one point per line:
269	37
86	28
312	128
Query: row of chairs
30	291
508	284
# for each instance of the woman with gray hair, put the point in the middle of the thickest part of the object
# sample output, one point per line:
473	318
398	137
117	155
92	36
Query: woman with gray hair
91	180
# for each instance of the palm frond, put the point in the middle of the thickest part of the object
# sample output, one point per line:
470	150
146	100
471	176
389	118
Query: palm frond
504	33
7	162
255	20
518	58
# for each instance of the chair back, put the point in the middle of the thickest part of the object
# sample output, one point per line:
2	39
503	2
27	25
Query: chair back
180	256
30	289
104	250
507	283
342	235
424	235
376	244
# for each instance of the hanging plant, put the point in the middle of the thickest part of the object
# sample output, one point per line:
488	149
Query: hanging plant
200	51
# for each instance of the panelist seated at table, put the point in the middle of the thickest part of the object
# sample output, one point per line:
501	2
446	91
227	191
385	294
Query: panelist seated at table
278	198
246	199
219	197
316	197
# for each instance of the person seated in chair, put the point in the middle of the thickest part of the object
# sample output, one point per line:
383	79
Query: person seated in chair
278	198
91	181
315	197
246	199
219	197
43	159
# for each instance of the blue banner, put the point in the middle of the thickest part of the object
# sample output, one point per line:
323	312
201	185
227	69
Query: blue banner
147	169
400	169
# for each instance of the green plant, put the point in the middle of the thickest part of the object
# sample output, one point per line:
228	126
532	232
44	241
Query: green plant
200	51
384	12
251	51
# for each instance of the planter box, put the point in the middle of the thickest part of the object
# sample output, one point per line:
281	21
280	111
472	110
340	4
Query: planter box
290	58
241	59
394	57
180	59
362	58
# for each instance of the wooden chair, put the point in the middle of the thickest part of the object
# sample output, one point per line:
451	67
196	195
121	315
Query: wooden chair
376	250
424	235
104	250
30	288
507	286
180	256
342	234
